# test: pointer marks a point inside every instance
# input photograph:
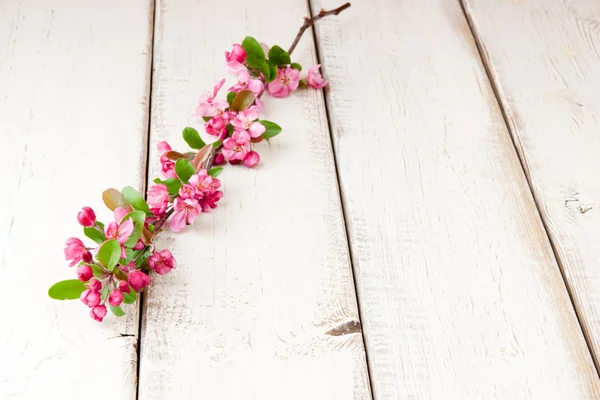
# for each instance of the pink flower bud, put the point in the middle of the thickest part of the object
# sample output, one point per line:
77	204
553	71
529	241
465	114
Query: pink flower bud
90	298
95	285
237	54
75	251
314	78
124	287
84	273
138	280
115	298
162	262
219	159
98	313
139	245
86	217
251	159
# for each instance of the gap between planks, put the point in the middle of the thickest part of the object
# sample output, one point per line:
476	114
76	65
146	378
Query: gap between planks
315	38
485	59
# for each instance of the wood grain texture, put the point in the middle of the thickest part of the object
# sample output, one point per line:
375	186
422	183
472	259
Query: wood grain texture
262	304
460	295
546	66
74	82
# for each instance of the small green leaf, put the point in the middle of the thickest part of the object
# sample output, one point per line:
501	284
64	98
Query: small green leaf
100	225
296	66
104	294
66	290
279	56
138	218
255	54
113	199
133	197
242	100
94	234
217	143
192	138
216	171
142	257
173	185
184	169
272	129
129	298
230	97
118	311
151	228
265	69
96	270
109	254
272	73
206	119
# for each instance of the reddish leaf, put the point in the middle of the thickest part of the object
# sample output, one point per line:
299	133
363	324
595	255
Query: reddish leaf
113	199
174	155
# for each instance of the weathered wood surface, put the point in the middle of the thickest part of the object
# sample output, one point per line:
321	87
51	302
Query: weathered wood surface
545	59
263	286
461	296
74	82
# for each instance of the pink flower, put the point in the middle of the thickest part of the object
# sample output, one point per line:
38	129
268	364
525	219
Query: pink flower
256	86
124	287
314	79
138	280
162	262
287	81
128	268
158	199
120	213
90	298
86	217
139	245
208	105
239	70
210	200
167	166
187	191
95	285
75	251
84	273
219	159
121	232
251	159
201	183
115	298
187	209
216	126
98	313
236	147
237	54
245	121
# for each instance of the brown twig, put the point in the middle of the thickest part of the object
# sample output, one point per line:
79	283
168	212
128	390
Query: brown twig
308	22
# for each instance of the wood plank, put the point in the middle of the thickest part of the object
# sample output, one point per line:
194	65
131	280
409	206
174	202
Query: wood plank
74	79
261	280
546	70
460	294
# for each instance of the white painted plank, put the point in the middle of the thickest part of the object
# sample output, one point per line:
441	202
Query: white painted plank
261	280
461	297
74	79
545	57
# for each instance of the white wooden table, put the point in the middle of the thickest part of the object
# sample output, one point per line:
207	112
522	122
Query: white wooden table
427	228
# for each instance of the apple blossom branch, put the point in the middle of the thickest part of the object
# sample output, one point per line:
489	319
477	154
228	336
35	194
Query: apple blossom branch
118	269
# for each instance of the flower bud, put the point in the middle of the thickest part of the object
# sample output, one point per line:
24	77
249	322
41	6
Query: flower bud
115	298
86	217
95	285
139	245
138	280
219	159
251	159
90	298
84	273
124	287
98	313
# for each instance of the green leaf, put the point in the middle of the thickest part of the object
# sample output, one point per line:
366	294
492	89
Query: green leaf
133	197
230	97
129	298
216	171
113	199
206	119
279	56
255	54
265	69
272	73
173	185
96	270
118	311
104	294
217	143
272	129
184	169
94	234
66	290
143	257
192	138
109	254
151	228
138	218
296	66
242	100
100	225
